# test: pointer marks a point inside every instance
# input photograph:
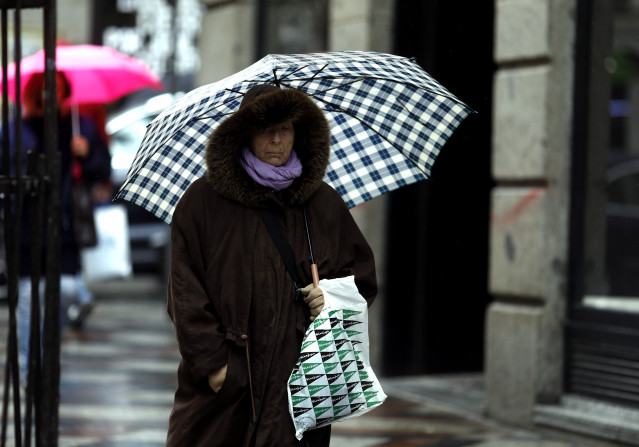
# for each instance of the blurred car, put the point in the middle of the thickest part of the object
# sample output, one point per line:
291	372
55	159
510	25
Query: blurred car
149	236
622	225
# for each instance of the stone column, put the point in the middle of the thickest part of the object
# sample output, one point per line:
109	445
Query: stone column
529	215
227	41
74	21
360	25
366	25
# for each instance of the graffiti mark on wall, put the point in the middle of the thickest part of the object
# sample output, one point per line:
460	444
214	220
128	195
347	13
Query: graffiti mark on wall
514	212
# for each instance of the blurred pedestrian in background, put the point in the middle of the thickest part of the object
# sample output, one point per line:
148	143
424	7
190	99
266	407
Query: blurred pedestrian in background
84	158
239	316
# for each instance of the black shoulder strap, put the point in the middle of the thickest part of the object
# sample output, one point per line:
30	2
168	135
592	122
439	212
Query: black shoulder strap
286	252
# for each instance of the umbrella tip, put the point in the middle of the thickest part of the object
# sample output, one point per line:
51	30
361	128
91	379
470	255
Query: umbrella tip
276	81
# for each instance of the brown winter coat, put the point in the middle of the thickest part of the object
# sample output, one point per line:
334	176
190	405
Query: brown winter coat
230	296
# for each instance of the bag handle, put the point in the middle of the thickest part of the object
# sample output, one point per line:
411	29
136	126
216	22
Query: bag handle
286	252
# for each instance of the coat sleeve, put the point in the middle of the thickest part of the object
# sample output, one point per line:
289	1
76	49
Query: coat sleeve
97	166
199	333
353	254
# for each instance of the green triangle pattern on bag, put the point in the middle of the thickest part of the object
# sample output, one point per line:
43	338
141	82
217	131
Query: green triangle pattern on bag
346	386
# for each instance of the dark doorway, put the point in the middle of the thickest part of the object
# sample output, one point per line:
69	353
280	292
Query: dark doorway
438	230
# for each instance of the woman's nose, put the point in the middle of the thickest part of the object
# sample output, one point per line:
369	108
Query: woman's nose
275	136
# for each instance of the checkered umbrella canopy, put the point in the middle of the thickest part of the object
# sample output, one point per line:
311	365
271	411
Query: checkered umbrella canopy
389	119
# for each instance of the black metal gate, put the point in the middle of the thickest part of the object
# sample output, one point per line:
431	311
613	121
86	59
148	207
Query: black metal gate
30	203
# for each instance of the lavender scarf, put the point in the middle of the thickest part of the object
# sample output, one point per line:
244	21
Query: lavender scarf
274	177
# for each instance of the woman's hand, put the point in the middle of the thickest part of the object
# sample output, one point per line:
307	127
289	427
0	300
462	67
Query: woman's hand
80	146
314	298
216	378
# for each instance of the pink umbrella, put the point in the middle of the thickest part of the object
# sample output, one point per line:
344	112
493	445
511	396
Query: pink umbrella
97	74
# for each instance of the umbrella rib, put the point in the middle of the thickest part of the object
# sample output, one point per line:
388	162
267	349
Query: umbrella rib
329	88
222	104
362	78
235	91
209	117
354	80
313	77
258	81
294	71
367	127
410	113
413	115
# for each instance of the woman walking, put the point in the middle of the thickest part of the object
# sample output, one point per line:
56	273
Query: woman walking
238	315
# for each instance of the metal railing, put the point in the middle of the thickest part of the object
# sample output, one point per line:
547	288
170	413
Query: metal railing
30	203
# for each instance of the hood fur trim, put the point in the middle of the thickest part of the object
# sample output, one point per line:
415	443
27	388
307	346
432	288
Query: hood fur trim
312	145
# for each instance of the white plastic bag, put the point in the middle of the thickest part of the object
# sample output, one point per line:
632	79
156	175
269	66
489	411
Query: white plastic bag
111	258
333	379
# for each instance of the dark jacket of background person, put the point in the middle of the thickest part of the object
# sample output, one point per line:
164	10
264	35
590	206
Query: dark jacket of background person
230	296
95	167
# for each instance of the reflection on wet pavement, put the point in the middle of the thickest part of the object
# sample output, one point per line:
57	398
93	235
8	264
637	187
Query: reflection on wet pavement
118	376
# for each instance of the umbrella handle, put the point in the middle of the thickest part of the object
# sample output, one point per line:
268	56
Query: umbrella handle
314	271
315	275
75	119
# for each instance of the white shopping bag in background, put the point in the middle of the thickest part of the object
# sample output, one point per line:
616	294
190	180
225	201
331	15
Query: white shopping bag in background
111	258
333	379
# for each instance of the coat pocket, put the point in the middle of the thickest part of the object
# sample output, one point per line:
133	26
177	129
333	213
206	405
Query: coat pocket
236	383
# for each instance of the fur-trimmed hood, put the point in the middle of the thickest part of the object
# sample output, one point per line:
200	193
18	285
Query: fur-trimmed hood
265	106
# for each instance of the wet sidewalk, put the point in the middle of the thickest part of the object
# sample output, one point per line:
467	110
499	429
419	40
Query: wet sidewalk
119	375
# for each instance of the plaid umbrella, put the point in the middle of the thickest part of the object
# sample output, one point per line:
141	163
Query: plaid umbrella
389	119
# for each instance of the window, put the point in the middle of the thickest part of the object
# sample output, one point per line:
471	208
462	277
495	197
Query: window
612	177
602	336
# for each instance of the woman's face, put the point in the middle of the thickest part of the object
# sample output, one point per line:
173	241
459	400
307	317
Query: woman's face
34	99
274	144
